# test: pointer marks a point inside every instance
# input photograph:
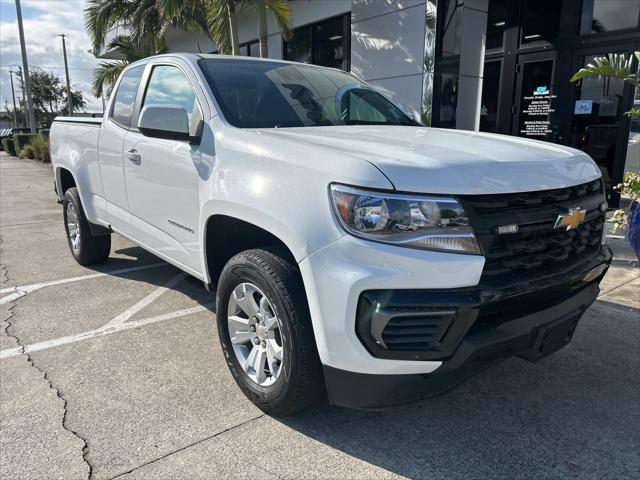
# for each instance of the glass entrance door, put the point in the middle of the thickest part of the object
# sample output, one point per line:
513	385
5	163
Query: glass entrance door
598	124
536	99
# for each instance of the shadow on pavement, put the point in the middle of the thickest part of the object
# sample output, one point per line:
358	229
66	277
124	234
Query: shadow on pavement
574	414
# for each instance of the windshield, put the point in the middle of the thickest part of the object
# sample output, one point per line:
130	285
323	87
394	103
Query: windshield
259	94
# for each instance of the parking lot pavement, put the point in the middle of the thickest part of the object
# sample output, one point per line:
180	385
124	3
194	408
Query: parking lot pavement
116	371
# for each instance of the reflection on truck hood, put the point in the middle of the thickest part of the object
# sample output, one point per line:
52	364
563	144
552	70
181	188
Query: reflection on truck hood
432	160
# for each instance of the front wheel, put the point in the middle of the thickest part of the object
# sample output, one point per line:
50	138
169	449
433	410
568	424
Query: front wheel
266	334
85	247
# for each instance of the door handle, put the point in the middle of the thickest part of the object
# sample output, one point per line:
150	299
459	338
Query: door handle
133	156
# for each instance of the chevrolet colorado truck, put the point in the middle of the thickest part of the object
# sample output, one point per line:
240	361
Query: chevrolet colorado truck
352	250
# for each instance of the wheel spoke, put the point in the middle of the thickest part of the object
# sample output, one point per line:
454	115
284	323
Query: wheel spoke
251	359
272	322
239	330
272	358
259	365
273	349
243	296
264	308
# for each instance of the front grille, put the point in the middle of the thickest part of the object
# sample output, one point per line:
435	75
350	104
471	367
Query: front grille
537	250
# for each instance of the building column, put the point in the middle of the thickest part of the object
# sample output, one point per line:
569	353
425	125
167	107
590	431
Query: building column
472	46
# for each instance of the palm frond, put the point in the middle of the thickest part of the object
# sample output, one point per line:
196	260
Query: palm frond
100	16
614	65
106	74
218	24
282	13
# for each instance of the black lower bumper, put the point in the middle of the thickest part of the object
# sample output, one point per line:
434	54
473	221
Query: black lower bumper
531	337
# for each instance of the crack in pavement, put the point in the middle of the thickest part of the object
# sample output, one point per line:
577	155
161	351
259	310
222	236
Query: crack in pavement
193	444
7	326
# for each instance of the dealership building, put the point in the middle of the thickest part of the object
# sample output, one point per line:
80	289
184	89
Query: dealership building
499	66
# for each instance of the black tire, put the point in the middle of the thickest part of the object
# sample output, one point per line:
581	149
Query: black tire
92	248
300	382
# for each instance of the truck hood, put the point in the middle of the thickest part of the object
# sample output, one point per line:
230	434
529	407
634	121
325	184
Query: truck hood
432	160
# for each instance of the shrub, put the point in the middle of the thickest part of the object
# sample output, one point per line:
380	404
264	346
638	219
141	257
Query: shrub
7	145
22	139
44	132
29	152
40	146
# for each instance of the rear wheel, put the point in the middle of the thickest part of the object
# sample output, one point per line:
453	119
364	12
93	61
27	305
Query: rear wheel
266	334
85	247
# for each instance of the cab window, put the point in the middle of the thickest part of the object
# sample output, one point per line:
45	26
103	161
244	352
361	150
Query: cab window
169	86
126	96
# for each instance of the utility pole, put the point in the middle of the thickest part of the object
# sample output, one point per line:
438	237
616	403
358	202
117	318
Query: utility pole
13	95
66	73
22	101
25	65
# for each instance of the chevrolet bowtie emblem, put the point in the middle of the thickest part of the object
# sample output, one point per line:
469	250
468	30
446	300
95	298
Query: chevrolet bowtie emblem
571	220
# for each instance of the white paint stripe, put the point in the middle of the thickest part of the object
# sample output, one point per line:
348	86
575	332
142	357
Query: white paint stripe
36	286
10	298
105	330
131	311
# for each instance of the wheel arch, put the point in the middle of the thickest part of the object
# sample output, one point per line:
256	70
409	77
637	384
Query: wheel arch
225	236
64	181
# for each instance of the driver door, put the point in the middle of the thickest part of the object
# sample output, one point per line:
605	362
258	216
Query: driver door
161	176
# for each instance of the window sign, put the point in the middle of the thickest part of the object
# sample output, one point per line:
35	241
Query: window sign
608	106
583	107
537	103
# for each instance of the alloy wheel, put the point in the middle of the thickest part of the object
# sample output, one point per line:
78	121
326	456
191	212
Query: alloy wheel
73	227
255	334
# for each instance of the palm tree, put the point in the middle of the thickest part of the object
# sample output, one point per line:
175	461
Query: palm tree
108	72
282	13
223	25
223	22
142	18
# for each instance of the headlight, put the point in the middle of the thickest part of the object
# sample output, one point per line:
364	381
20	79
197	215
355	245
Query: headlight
429	223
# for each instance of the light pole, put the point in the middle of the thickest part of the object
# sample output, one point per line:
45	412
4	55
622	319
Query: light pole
25	65
66	73
13	96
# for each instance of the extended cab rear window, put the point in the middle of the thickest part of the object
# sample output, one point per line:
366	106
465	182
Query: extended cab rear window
263	94
125	99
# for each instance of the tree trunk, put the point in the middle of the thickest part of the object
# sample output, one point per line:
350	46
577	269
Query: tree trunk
233	28
262	28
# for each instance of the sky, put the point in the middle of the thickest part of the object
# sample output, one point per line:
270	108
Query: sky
43	20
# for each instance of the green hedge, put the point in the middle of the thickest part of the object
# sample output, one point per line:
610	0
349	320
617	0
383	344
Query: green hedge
22	139
7	146
40	147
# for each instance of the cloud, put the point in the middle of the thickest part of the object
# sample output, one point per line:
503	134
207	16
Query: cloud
43	21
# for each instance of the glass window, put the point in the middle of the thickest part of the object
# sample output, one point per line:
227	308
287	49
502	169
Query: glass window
322	43
250	49
448	100
298	49
597	111
328	42
451	27
256	94
496	23
490	95
169	86
126	96
541	20
607	15
254	49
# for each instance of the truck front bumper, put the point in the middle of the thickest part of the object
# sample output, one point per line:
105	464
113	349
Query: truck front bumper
488	325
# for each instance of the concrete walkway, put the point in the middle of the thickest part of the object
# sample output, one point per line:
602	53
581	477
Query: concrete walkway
151	397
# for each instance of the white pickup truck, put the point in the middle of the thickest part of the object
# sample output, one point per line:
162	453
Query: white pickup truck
352	250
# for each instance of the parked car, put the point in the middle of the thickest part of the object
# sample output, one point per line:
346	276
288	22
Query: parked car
350	248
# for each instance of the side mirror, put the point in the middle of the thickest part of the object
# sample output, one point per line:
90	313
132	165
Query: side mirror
164	121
